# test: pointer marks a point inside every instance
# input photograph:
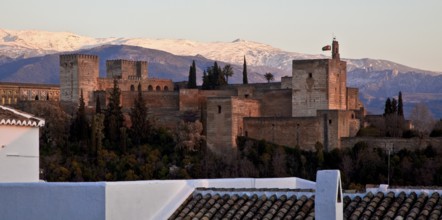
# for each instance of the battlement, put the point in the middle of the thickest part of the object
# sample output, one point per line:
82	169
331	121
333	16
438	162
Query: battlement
128	62
78	56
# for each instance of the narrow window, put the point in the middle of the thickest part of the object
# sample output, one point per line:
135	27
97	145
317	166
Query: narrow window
329	121
310	75
139	87
132	88
219	109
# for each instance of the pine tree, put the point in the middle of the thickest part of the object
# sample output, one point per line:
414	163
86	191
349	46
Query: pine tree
138	116
113	119
191	84
400	106
244	72
228	72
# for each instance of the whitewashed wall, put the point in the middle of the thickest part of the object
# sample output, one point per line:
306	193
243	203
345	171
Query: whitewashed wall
114	200
19	153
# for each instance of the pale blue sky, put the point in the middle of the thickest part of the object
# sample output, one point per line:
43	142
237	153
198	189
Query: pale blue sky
404	31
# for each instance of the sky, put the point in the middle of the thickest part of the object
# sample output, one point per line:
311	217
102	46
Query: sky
404	31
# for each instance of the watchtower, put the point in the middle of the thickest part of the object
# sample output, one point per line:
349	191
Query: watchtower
319	84
78	72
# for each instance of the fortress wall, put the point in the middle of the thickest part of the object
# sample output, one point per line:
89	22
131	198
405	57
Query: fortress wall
397	143
289	131
154	100
219	124
286	82
194	99
11	93
309	87
337	90
352	98
275	102
241	108
125	69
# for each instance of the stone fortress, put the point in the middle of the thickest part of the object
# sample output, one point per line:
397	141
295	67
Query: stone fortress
311	106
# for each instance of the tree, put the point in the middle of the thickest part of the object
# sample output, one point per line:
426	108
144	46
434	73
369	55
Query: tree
269	77
422	119
394	106
387	109
80	124
113	119
138	116
205	81
228	72
244	72
400	106
191	84
98	106
213	77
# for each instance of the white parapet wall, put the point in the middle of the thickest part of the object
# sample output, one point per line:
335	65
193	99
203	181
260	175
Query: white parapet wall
115	200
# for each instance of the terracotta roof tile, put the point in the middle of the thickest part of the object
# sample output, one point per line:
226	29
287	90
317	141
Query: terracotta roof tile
292	204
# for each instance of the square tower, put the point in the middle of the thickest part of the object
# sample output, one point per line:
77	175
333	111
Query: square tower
126	69
78	72
319	85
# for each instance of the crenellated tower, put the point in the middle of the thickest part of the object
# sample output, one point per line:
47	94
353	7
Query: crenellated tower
78	72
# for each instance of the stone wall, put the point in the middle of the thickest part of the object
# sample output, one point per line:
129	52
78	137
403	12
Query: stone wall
126	69
224	120
154	100
275	102
78	72
309	87
194	99
286	82
11	93
353	99
337	84
396	143
288	131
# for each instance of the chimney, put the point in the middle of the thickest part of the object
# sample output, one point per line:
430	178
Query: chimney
335	49
328	198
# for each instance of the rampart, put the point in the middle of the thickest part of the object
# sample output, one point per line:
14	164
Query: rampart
397	144
288	131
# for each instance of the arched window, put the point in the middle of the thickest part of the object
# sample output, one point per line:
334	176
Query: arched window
132	88
166	88
139	87
150	88
158	88
219	109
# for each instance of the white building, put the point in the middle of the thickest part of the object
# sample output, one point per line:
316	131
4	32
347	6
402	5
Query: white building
19	146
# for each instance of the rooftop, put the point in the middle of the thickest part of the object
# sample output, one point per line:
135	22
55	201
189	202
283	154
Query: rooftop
10	116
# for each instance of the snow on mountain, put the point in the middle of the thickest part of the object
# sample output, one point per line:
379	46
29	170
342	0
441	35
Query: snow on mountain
34	43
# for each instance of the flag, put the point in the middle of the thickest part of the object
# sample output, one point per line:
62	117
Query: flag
327	47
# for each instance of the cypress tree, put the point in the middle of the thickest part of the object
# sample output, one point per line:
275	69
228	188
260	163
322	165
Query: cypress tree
387	109
191	84
394	106
244	72
97	105
205	81
113	119
400	106
138	116
80	125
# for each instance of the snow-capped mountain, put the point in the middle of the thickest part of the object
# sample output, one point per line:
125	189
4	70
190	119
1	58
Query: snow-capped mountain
376	79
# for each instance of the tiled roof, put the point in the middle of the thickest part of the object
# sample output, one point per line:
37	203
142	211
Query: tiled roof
292	204
10	116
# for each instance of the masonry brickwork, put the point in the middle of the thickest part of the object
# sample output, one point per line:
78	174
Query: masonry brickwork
311	106
11	93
